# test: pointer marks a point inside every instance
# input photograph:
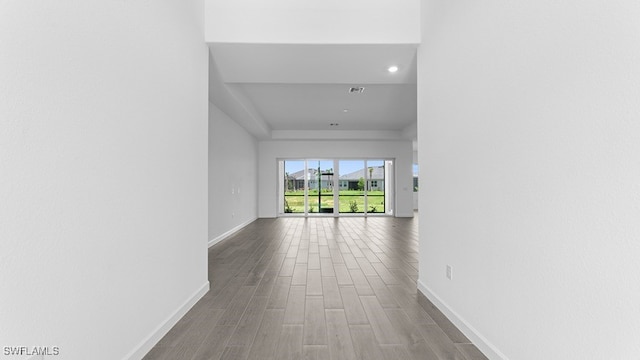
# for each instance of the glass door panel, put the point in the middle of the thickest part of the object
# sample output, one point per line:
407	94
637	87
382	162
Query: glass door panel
294	186
375	186
321	178
352	186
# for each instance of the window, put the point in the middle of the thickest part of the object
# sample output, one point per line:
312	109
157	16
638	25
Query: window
315	187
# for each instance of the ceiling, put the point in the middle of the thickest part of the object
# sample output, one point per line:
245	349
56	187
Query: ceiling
294	89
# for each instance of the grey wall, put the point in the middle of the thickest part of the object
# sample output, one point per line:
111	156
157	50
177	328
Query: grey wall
233	167
103	163
529	172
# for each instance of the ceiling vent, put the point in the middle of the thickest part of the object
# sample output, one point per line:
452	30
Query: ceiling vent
356	90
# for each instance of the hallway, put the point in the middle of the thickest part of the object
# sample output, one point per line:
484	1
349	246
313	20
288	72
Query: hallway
317	288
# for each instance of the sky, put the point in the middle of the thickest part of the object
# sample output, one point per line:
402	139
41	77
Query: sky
346	166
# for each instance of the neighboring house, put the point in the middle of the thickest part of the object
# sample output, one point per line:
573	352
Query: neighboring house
295	181
350	181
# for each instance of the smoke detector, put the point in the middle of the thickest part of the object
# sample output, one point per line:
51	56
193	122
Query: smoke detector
356	90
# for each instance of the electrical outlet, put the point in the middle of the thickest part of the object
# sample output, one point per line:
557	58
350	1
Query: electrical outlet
449	272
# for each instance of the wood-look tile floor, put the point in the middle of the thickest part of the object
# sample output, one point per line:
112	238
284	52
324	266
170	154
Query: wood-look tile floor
316	288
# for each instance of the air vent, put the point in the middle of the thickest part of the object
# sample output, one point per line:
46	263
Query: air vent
356	90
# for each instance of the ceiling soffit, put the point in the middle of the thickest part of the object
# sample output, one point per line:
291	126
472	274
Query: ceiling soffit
293	88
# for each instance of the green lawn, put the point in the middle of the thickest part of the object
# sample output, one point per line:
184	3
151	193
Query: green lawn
295	201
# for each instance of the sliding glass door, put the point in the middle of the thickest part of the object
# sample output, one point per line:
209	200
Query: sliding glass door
316	187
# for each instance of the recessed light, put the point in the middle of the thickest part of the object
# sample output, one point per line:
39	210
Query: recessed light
334	124
392	69
345	110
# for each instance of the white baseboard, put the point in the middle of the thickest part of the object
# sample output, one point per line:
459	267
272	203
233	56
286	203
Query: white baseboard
147	344
405	215
219	238
487	348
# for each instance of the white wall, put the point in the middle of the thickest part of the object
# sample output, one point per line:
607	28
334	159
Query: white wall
233	166
529	158
271	151
318	22
103	173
